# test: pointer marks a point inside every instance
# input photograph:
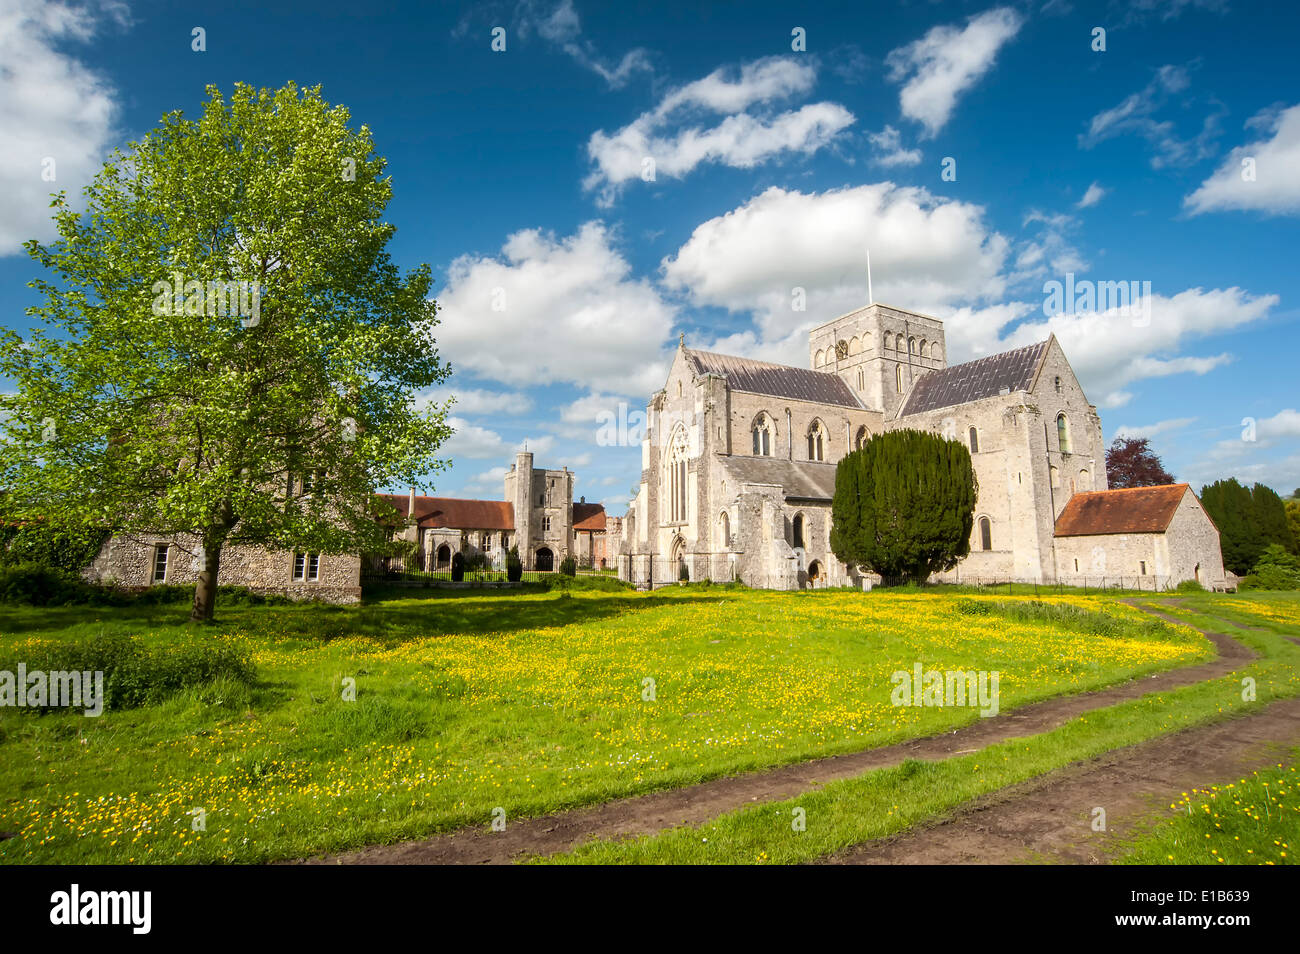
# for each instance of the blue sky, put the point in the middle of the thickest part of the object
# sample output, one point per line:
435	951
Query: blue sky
565	275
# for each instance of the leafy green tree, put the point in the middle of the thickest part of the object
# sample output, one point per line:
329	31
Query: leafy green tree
1277	569
1293	521
904	505
228	350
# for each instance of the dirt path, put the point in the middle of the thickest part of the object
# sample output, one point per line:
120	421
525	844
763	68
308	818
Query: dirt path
696	804
1049	819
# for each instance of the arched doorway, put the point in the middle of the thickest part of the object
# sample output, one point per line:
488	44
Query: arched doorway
545	560
814	572
677	558
444	557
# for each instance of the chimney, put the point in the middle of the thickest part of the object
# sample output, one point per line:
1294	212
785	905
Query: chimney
410	505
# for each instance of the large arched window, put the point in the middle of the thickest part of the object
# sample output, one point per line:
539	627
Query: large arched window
820	358
861	438
911	346
889	340
925	346
675	483
724	531
898	378
974	439
763	432
1085	480
986	534
797	531
1063	433
817	441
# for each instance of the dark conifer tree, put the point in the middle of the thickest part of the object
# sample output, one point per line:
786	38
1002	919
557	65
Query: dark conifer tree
904	505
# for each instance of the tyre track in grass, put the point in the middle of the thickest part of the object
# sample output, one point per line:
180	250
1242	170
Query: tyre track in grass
697	804
1049	819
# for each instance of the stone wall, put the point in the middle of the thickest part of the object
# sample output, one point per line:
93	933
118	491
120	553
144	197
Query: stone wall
128	560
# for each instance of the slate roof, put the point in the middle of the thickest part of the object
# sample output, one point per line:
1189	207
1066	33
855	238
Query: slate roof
456	514
981	378
801	479
1127	510
778	380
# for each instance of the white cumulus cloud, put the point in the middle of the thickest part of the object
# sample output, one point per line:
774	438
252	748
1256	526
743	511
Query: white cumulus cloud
52	108
671	139
1274	186
946	62
555	310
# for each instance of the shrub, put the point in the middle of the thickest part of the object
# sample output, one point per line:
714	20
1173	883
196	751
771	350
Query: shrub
1189	586
61	549
569	566
1276	570
137	675
457	567
38	584
514	567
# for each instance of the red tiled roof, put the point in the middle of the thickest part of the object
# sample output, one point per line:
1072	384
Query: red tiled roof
456	514
1128	510
588	516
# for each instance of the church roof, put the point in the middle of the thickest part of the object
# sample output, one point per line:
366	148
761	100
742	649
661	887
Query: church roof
981	378
800	479
1127	510
456	514
778	380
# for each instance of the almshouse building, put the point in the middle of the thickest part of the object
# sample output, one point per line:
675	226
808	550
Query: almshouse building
538	515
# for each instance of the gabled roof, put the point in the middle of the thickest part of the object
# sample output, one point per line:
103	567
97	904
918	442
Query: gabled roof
981	378
778	380
588	516
799	479
456	514
1128	510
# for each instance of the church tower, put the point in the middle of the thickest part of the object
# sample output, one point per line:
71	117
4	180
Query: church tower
879	351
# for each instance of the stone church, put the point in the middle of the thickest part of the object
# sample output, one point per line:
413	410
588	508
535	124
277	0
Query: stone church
738	464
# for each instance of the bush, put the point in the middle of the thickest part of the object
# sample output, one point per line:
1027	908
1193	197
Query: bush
1276	570
457	567
683	573
569	566
60	549
1189	586
514	567
136	675
38	584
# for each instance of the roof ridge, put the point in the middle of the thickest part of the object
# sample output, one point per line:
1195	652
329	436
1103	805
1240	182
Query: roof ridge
1118	490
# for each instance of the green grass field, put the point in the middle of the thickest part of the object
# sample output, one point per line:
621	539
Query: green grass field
887	801
470	701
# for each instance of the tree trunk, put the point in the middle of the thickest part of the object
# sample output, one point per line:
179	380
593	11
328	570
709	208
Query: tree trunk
205	592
